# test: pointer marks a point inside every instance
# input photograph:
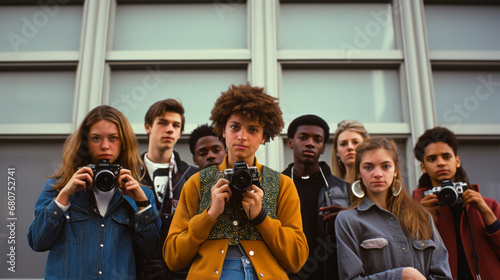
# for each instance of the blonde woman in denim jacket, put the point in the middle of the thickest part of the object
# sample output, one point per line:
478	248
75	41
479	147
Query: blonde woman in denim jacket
92	232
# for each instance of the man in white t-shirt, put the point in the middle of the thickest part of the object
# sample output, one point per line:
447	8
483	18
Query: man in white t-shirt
165	174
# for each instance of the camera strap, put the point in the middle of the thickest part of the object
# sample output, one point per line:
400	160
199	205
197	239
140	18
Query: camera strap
474	251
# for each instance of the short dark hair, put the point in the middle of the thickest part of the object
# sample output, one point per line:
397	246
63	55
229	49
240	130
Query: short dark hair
161	107
309	120
200	132
434	135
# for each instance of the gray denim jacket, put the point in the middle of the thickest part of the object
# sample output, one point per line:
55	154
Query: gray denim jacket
372	245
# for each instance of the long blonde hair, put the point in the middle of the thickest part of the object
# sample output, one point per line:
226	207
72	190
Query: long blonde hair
338	167
76	150
412	216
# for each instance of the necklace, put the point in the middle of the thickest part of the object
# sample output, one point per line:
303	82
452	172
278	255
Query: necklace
307	176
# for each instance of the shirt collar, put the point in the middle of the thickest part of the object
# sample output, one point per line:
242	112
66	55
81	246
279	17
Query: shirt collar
367	204
223	165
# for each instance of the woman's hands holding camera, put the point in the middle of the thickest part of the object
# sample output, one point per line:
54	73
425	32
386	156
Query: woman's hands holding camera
83	179
130	186
221	193
252	201
80	181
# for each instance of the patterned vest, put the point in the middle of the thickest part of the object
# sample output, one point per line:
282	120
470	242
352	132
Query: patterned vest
233	223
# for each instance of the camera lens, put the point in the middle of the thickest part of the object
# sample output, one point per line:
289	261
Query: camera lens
104	180
448	196
241	180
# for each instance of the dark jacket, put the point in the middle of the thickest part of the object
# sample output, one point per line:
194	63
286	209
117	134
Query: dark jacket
322	261
156	268
487	243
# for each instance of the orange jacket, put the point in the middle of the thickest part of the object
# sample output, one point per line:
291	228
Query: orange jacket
284	245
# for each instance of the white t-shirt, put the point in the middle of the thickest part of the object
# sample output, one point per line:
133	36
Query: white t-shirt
158	173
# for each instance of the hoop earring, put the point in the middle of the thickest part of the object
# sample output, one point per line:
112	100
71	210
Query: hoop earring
397	186
357	190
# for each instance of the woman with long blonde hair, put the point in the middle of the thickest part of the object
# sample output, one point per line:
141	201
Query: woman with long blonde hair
92	214
349	134
385	234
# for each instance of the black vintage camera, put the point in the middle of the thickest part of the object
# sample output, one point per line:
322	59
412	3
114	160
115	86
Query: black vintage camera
241	178
105	175
449	193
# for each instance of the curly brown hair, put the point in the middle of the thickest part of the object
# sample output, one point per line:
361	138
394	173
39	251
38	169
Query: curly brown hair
251	102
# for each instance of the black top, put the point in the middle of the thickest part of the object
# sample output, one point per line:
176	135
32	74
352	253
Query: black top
322	260
463	271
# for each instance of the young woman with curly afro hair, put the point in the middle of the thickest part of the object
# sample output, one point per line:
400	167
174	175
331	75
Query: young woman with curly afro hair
241	219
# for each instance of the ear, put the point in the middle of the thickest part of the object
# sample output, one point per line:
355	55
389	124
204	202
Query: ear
148	128
457	158
263	139
422	167
290	143
195	161
322	149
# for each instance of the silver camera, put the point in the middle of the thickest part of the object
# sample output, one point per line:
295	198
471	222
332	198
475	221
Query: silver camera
241	178
449	193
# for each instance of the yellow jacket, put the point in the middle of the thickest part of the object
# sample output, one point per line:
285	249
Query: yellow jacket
284	246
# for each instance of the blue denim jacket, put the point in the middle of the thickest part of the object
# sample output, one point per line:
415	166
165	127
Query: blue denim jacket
85	245
371	244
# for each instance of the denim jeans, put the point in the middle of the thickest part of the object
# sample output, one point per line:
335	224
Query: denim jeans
238	268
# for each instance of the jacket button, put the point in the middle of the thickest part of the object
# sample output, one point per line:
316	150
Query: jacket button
100	272
222	251
261	274
102	245
102	225
216	272
235	223
251	253
55	212
67	217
